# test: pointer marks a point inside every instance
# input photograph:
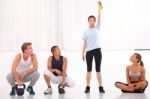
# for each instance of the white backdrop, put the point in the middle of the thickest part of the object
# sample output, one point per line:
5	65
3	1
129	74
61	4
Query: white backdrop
125	23
28	20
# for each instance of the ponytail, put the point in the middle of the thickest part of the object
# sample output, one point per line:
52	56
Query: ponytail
141	63
139	57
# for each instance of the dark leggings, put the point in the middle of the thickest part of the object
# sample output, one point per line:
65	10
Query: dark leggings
135	91
96	53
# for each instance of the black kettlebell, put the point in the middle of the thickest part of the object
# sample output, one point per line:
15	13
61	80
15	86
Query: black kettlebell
61	89
20	89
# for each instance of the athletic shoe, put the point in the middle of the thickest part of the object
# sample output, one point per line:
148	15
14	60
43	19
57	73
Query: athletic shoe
87	89
48	91
61	89
101	89
30	90
13	91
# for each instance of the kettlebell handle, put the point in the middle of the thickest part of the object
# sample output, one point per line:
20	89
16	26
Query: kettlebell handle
24	86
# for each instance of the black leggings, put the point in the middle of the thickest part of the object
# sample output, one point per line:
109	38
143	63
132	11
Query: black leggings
135	91
96	53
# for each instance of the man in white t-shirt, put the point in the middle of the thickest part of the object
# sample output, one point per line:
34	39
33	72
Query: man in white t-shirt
24	69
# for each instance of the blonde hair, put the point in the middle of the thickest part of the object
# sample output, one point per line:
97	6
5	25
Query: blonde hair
24	46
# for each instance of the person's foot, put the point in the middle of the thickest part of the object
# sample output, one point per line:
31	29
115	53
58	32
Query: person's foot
48	91
87	89
66	85
101	89
30	90
61	89
13	91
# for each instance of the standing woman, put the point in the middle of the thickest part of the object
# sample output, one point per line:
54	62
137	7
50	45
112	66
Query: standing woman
92	46
135	73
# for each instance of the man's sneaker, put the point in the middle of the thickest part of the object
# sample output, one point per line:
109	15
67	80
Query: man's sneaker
48	91
30	90
13	91
101	89
87	89
61	89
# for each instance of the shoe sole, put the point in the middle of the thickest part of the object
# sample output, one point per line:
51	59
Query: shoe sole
62	93
47	93
102	92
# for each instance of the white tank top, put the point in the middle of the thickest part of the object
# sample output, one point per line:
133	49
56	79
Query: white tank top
24	64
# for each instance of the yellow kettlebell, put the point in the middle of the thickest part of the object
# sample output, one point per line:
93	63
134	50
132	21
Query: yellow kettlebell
100	5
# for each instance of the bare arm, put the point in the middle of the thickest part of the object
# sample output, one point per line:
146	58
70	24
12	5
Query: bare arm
127	75
99	13
49	64
84	48
14	66
64	70
143	73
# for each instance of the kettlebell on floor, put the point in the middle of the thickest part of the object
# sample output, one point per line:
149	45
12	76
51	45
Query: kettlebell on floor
20	89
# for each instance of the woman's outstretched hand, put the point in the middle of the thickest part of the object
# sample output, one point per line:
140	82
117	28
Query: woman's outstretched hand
100	5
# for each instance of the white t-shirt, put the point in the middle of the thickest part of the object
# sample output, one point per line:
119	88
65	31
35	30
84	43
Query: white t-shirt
24	64
93	37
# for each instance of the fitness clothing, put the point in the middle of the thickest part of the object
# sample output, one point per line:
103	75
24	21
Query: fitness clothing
24	64
135	75
96	53
93	37
57	64
56	79
32	78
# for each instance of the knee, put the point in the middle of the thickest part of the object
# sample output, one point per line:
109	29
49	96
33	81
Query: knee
88	72
98	69
117	84
47	73
144	84
36	75
89	69
46	76
9	77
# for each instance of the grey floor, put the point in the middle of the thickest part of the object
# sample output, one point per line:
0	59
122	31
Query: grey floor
113	69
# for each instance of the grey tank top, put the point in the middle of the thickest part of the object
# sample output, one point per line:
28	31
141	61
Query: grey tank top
135	75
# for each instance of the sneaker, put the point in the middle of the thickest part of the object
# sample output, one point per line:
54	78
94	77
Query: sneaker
48	91
101	89
87	90
13	91
61	89
30	90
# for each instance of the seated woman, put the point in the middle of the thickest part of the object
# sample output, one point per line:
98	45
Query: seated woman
56	72
135	74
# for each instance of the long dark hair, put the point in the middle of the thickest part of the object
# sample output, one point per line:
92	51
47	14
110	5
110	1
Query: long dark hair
139	57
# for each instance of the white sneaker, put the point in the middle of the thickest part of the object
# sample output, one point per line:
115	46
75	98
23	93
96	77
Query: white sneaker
48	91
